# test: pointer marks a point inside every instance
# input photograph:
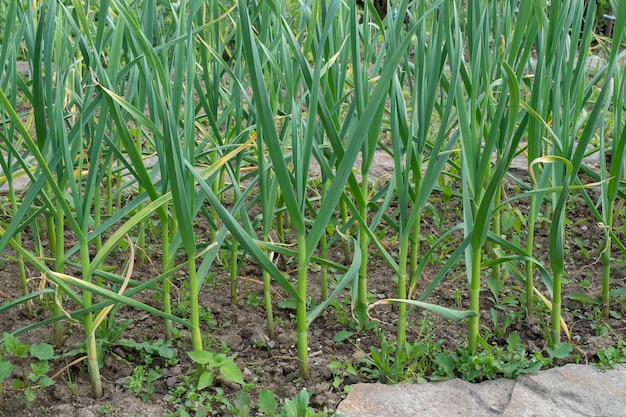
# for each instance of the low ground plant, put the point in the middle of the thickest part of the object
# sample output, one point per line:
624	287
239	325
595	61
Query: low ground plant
30	364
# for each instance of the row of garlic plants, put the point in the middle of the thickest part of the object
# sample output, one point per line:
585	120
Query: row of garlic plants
180	111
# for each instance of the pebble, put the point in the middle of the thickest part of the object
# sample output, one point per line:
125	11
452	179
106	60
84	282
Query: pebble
287	337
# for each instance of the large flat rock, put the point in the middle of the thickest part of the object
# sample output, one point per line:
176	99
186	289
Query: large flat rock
569	391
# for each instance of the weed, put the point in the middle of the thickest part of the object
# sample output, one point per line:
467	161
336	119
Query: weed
340	371
491	363
295	407
190	401
141	382
216	366
582	246
390	364
147	350
612	356
254	300
36	357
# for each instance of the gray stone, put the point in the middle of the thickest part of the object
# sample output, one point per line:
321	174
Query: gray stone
570	391
445	398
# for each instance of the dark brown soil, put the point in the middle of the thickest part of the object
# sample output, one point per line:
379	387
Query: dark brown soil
240	328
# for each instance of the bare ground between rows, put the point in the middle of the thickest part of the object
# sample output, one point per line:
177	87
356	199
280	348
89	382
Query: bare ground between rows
273	365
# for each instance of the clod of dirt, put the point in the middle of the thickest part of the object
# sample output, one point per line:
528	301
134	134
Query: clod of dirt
286	337
595	344
231	339
257	335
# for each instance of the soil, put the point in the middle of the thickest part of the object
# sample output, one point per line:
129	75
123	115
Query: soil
240	328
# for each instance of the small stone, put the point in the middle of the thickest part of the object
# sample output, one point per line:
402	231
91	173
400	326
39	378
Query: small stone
258	336
62	393
121	382
231	339
291	376
171	381
85	412
62	410
358	355
247	374
326	373
286	337
176	370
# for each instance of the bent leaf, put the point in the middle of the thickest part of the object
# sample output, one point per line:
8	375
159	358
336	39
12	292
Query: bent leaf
448	313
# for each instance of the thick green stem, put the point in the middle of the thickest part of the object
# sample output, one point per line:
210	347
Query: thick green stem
415	246
280	227
166	265
267	294
497	230
556	308
474	321
51	232
401	290
97	218
217	184
280	232
606	279
92	358
194	306
141	238
347	251
141	243
118	182
303	344
109	189
324	268
361	303
234	271
90	331
530	267
324	255
415	239
57	329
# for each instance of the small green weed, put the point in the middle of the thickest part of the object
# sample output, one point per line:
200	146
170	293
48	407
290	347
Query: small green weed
612	356
340	371
216	365
189	401
490	363
36	357
141	382
295	407
387	364
254	300
148	350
